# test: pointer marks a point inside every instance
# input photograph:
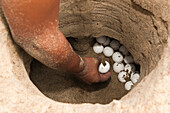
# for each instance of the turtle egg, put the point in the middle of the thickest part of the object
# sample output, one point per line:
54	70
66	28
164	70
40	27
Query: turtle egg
108	51
97	48
115	44
121	76
130	68
124	50
107	42
135	77
104	69
118	67
128	85
101	40
128	59
117	57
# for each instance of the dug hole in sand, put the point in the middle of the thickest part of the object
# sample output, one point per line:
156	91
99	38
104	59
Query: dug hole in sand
142	26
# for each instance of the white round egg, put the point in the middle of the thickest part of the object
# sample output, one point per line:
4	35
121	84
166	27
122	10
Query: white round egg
135	77
117	57
104	68
115	44
98	48
101	40
118	67
108	51
128	59
107	42
130	68
128	85
123	50
121	76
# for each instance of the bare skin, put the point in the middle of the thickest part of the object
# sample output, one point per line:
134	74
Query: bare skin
34	26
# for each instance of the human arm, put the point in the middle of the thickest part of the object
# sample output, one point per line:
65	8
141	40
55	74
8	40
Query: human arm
34	26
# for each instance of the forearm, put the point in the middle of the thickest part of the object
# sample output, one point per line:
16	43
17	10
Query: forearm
53	50
34	26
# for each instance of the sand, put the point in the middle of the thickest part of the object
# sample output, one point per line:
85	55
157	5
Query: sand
63	87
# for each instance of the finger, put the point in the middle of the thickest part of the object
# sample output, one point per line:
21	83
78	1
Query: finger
104	77
96	61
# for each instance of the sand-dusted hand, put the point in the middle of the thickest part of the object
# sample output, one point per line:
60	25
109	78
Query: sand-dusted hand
90	73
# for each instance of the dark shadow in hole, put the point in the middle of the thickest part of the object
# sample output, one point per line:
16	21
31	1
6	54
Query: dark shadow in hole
62	87
93	87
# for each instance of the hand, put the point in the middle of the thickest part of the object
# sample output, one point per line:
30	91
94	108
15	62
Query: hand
90	73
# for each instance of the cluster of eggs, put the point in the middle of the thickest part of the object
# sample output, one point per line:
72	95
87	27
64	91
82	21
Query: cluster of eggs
123	60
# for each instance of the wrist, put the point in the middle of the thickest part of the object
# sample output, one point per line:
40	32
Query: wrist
81	66
77	65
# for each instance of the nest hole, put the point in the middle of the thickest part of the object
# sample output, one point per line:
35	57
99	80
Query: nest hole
131	25
63	87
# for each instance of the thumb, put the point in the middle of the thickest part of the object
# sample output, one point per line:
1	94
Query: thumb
104	77
97	60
